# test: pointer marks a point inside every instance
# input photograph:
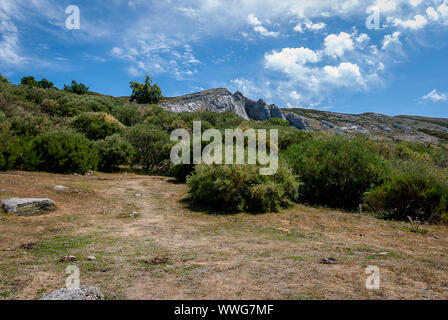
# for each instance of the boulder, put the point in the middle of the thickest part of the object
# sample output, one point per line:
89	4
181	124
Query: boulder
27	207
61	188
81	293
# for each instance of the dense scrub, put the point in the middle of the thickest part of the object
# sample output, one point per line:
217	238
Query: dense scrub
336	171
242	188
47	129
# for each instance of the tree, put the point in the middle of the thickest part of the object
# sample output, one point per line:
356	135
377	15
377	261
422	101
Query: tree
45	84
3	79
146	92
152	146
31	82
78	88
28	81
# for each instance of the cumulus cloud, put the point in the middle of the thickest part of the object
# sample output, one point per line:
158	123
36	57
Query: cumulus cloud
337	45
435	96
418	22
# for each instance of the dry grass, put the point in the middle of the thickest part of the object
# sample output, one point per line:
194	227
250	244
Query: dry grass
172	251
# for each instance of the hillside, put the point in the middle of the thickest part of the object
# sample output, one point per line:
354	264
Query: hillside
404	128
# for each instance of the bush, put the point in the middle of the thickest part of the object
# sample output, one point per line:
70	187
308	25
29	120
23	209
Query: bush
31	82
64	152
146	92
336	171
97	126
242	188
10	151
3	79
127	114
114	151
77	88
416	193
152	147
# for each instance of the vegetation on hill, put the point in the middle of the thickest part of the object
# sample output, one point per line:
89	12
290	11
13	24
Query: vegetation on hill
72	131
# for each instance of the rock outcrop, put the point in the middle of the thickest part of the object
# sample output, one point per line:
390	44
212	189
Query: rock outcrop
221	100
81	293
27	207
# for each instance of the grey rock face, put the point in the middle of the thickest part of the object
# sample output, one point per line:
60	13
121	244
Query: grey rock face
27	207
220	100
81	293
215	100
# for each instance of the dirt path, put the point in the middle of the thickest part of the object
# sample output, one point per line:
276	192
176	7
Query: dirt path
170	251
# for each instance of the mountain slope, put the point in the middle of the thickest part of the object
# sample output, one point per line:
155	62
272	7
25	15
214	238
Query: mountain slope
406	128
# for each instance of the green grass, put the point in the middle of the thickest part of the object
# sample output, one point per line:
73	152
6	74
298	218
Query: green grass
60	246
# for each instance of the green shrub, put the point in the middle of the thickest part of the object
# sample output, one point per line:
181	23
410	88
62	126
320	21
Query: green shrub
30	125
127	114
97	126
336	171
242	188
419	194
77	88
64	152
3	79
146	92
114	151
152	147
10	151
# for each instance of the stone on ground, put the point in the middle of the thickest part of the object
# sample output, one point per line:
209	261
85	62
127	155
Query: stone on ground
27	206
81	293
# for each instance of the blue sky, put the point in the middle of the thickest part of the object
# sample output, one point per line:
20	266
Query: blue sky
295	53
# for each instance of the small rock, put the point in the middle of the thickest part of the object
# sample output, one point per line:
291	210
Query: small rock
3	190
60	188
436	237
90	172
91	258
9	249
133	214
81	293
138	195
27	206
68	259
29	246
383	253
329	261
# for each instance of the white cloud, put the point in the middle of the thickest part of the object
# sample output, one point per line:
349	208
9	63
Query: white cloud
417	23
259	28
435	96
189	12
415	3
337	45
253	20
288	60
392	40
265	32
432	13
344	71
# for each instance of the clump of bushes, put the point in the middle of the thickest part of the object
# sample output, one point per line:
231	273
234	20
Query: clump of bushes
418	192
336	171
31	82
146	92
114	151
77	88
152	147
97	126
64	152
237	188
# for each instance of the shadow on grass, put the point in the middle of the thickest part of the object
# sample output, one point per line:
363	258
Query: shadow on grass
200	208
